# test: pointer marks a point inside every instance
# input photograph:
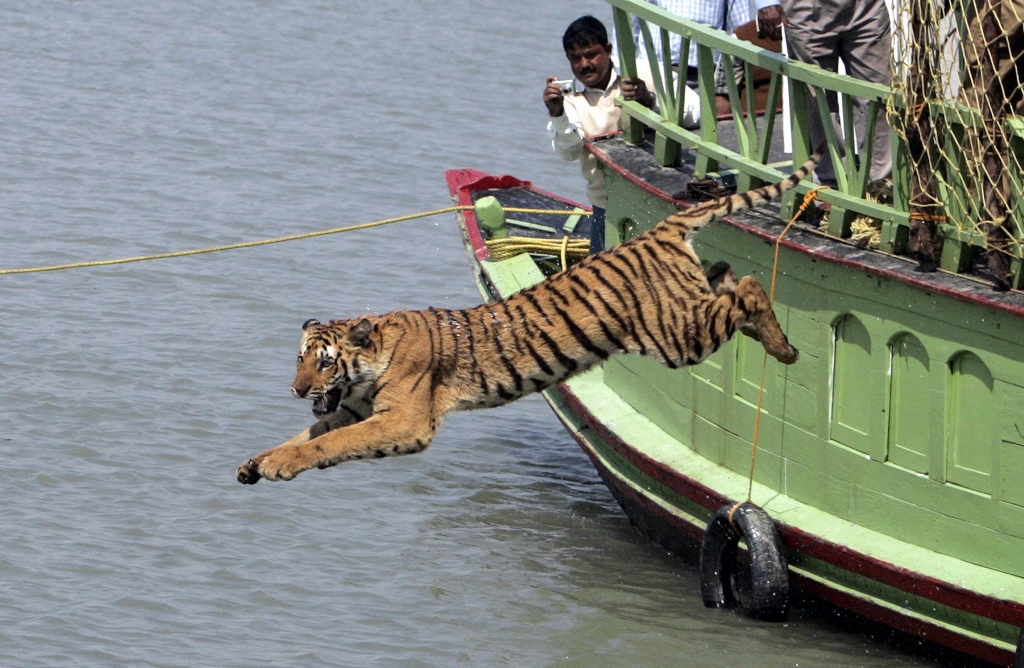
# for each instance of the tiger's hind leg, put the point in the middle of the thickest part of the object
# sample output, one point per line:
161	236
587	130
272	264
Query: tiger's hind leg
721	278
751	311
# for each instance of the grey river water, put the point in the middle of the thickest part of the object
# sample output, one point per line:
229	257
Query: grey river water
129	394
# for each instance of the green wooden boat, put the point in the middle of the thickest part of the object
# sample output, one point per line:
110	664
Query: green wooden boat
891	455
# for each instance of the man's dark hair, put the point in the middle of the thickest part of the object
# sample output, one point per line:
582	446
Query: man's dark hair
584	31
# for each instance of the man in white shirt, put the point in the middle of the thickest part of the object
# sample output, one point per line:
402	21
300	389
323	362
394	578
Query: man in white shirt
588	109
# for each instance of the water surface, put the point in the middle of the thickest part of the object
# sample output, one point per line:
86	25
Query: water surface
131	393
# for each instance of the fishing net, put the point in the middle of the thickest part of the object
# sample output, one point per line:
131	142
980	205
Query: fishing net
957	96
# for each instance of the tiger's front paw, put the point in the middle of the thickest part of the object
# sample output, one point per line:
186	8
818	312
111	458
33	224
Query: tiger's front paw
283	463
249	472
273	467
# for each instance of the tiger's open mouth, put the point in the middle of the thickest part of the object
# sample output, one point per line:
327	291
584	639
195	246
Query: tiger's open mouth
327	403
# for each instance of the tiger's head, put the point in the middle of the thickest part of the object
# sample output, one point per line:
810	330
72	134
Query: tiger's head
335	363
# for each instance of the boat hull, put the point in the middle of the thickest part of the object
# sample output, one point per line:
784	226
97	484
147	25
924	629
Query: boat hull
675	446
677	528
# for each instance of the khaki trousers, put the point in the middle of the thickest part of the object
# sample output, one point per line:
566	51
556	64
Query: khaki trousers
822	32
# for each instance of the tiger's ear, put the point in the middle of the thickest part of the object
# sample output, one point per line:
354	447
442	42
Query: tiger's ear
360	334
309	323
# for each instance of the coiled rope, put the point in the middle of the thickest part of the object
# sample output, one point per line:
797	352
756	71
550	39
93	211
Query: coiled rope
564	248
277	240
808	199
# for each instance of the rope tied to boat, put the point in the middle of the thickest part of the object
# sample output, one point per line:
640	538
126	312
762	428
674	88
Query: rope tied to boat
277	240
921	215
566	248
732	515
809	198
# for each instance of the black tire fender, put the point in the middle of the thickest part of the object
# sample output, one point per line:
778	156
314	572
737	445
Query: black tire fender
769	571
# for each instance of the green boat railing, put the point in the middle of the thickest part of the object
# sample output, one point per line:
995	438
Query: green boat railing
750	161
961	233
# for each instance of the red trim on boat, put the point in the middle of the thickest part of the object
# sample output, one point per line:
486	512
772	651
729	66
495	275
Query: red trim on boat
865	608
912	625
817	254
1010	612
462	183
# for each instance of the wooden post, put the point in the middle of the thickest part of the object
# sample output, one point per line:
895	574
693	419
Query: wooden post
632	130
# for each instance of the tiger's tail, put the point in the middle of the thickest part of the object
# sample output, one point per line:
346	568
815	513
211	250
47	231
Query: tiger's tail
694	218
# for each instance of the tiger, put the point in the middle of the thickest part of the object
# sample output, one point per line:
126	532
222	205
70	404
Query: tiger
380	385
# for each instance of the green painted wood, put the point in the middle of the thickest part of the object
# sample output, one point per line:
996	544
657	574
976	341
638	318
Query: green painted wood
895	236
666	65
547	229
653	402
1010	515
963	203
853	401
765	172
593	389
888	420
491	217
682	68
750	117
799	98
773	62
772	102
910	401
957	254
667	152
632	132
664	99
708	128
951	352
866	154
749	366
972	411
851	159
982	626
1017	185
625	471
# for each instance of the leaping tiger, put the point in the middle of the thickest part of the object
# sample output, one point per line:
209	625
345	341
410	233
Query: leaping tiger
380	385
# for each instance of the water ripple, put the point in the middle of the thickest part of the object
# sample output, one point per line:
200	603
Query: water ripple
131	393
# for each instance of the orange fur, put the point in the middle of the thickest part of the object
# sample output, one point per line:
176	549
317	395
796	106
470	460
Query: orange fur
382	384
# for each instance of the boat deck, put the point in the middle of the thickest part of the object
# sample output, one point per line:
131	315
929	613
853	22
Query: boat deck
528	198
671	184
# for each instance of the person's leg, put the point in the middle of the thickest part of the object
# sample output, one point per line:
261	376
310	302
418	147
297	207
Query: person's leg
866	50
812	38
597	230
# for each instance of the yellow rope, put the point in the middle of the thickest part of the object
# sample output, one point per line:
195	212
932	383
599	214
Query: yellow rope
503	249
808	198
277	240
732	514
921	215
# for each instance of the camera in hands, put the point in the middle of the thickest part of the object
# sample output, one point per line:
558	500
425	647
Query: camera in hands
567	86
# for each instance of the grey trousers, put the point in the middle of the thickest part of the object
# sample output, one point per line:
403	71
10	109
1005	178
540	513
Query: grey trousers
822	32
